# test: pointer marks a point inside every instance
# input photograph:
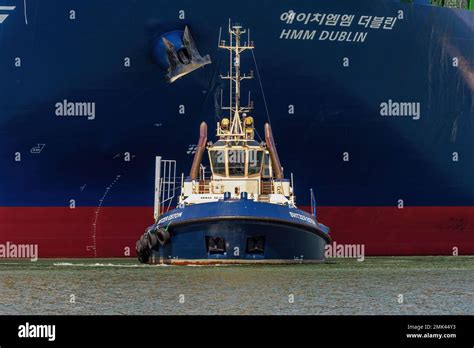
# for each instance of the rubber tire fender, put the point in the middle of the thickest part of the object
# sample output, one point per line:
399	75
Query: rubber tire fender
152	240
163	236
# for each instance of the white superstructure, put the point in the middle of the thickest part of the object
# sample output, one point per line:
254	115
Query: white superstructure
238	163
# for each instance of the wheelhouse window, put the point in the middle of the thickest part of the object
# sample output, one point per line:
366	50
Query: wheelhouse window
218	161
266	166
237	160
254	161
240	162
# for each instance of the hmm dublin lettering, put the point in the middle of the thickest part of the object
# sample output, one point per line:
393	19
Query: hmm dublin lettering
170	217
19	251
345	251
346	22
302	217
324	35
37	331
67	108
393	108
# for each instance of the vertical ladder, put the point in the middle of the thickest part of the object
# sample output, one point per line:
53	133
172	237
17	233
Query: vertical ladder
165	186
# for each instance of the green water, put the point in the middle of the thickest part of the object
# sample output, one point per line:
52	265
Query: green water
429	285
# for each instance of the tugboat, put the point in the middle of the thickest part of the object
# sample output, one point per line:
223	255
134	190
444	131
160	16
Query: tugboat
245	212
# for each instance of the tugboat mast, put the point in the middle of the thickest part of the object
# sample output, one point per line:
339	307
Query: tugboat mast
234	128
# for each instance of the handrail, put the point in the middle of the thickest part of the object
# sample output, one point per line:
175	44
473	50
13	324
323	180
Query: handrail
313	203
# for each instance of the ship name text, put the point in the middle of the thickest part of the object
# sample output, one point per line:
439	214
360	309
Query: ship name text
302	217
349	27
324	35
170	217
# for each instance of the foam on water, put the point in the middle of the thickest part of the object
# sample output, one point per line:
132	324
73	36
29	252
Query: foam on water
66	264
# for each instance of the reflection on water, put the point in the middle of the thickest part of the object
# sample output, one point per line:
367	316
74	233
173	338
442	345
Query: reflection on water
429	285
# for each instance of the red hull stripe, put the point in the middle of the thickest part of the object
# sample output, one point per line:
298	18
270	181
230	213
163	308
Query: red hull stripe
63	232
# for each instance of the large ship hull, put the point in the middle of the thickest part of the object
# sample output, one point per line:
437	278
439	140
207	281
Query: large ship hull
83	186
384	231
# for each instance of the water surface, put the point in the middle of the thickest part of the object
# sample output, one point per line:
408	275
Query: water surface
429	285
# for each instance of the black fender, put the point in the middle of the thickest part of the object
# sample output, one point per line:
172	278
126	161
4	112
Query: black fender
163	236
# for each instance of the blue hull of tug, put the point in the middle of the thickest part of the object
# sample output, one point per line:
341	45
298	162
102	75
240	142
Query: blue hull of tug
288	233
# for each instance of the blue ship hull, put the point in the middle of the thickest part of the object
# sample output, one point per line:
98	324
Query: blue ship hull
82	186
